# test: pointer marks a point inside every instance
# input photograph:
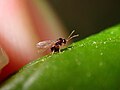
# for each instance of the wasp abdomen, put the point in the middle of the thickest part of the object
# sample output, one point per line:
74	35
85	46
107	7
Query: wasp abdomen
55	48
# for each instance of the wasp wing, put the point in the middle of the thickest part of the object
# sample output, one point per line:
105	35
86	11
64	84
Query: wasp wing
44	45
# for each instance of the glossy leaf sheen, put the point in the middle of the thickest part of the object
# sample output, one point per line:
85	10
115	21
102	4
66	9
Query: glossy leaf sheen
90	64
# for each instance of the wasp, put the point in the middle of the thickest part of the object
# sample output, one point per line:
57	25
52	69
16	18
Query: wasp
55	45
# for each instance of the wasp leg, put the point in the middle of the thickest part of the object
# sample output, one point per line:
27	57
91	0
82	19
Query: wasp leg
53	52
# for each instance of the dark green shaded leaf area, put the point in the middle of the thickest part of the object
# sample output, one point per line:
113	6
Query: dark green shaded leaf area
90	64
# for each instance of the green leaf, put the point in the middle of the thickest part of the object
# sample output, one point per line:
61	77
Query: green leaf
90	64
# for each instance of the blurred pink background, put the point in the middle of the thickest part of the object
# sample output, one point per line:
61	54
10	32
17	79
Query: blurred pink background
23	23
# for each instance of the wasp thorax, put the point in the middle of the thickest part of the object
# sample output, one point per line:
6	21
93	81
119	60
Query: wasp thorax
61	41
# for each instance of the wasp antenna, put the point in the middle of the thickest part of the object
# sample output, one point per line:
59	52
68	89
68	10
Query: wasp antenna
73	37
71	34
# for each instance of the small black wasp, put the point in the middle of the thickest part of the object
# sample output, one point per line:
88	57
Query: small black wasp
55	45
